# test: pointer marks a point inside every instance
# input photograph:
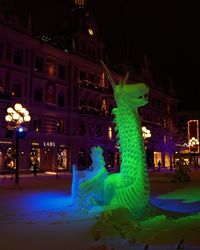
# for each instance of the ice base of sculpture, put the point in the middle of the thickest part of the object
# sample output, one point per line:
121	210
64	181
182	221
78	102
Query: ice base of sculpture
89	193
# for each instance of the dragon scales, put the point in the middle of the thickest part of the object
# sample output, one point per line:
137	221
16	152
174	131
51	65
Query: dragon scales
130	187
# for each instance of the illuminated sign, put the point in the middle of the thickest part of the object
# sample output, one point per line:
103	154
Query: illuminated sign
49	144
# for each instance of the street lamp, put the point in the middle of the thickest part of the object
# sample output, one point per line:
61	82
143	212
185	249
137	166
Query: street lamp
193	142
146	133
15	118
194	146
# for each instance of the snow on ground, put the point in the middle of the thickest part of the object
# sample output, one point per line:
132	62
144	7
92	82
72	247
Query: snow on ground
36	215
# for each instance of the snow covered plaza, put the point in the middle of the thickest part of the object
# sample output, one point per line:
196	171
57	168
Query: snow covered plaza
36	215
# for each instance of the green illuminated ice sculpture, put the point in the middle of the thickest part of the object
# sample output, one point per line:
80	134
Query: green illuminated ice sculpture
130	187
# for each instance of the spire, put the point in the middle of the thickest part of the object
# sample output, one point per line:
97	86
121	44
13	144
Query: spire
29	23
171	89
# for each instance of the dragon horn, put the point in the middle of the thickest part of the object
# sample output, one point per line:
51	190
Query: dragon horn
126	78
109	75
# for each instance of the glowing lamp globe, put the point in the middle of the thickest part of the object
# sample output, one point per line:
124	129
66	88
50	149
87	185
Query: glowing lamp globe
18	107
27	118
10	110
8	118
16	116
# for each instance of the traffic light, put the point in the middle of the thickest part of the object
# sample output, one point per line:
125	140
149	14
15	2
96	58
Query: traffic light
20	132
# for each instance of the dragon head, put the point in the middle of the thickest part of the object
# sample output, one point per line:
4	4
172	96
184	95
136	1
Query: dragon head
134	95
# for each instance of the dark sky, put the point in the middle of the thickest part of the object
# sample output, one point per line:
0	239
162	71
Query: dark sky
166	31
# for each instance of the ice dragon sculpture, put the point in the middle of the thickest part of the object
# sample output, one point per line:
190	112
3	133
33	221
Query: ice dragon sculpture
130	187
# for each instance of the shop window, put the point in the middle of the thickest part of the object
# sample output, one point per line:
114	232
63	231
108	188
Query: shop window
82	159
60	126
157	157
62	159
18	56
16	89
37	124
38	94
39	64
10	158
34	158
61	71
61	99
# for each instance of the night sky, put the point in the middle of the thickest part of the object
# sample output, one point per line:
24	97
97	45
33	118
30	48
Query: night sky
167	32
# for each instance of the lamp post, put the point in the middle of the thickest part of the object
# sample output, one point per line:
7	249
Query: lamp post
15	118
146	133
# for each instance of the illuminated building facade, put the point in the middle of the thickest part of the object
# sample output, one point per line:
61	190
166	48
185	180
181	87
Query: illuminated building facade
70	100
188	148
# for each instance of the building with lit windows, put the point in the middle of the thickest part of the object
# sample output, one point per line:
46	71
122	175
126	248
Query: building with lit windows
64	87
187	148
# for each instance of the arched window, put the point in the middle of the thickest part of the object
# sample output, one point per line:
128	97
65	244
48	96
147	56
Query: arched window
60	126
38	94
16	88
103	106
50	93
61	99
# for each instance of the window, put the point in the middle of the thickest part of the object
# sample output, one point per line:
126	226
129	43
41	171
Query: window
60	126
16	88
1	50
37	124
38	94
8	51
82	75
50	93
110	133
18	56
99	131
39	64
103	106
61	99
51	67
91	78
83	47
82	129
61	72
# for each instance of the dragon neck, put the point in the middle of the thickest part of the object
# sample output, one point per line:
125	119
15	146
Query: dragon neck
131	143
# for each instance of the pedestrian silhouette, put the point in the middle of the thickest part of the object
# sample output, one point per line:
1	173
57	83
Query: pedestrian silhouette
159	165
35	166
